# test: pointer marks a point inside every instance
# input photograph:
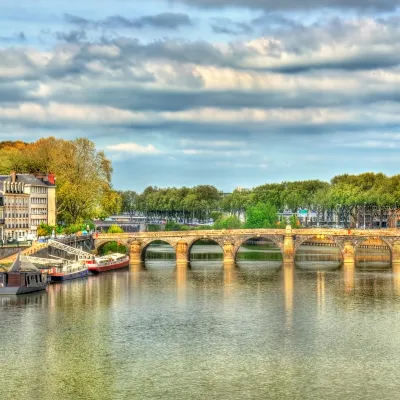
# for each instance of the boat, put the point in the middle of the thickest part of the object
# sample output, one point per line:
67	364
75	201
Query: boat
108	263
68	272
23	277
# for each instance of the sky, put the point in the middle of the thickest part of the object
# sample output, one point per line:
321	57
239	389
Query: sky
233	93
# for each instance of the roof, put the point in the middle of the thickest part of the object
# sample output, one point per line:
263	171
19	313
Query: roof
22	264
27	179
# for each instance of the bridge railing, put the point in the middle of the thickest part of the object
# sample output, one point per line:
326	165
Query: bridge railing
255	232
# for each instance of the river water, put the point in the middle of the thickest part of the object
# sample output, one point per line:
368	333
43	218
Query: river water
258	331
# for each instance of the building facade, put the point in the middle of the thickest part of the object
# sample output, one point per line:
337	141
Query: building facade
29	200
1	218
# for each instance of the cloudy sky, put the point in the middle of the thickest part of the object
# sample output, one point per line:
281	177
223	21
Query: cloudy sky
226	92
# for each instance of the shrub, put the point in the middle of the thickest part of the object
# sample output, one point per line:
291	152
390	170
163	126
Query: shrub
115	229
231	222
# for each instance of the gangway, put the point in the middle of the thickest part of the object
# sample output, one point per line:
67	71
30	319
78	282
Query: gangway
81	255
44	261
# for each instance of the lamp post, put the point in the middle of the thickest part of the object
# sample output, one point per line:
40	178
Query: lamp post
364	214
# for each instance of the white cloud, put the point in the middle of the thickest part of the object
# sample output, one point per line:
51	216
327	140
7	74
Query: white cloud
134	148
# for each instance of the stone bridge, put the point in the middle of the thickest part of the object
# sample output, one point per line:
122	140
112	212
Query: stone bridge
287	240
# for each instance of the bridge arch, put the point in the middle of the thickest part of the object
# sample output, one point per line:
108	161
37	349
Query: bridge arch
300	240
362	240
146	245
192	242
100	243
338	242
273	239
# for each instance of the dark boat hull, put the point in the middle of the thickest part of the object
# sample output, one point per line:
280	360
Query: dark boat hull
68	277
96	269
15	290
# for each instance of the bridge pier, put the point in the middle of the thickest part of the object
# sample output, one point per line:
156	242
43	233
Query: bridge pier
182	256
135	253
229	255
349	253
288	245
396	253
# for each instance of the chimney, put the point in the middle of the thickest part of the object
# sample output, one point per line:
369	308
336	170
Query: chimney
13	176
51	179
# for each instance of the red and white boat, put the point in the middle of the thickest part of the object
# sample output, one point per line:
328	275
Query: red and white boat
108	263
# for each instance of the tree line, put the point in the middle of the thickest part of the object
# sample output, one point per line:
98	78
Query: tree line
346	196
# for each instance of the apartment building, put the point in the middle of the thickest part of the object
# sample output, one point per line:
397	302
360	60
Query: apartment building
29	200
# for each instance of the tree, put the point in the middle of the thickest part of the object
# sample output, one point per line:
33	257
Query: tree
83	174
262	215
129	202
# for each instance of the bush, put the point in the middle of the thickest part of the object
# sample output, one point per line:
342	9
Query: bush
153	228
231	222
45	230
115	229
173	226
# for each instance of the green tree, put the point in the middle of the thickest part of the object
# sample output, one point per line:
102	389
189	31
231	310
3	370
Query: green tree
113	247
129	201
262	215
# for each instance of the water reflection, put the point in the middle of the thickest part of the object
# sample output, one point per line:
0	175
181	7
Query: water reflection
317	254
259	250
348	278
288	285
181	284
396	278
207	332
321	291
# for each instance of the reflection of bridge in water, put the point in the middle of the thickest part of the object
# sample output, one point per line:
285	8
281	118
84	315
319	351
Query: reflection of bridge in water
288	241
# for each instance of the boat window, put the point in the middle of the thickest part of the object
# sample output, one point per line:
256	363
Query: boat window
2	283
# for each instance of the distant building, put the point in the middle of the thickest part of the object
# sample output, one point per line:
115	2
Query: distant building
1	218
29	200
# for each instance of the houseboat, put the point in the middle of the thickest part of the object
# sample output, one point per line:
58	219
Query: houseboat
108	263
23	277
68	272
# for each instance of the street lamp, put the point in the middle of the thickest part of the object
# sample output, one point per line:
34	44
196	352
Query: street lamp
364	214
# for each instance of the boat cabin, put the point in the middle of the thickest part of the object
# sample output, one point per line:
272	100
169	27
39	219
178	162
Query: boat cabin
23	277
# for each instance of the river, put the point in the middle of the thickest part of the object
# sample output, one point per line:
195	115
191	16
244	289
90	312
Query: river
260	330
